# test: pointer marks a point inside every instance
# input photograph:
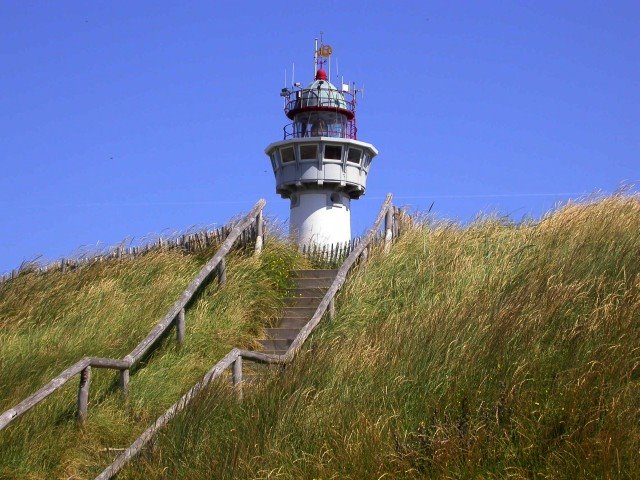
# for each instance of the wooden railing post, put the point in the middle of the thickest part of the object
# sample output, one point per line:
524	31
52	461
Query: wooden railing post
222	272
237	376
180	327
83	395
388	229
260	233
332	309
397	214
123	381
364	255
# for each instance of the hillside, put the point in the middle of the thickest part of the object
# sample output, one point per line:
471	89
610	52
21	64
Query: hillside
487	351
48	321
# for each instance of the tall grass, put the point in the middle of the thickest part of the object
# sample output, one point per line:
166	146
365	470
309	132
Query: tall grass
48	321
496	350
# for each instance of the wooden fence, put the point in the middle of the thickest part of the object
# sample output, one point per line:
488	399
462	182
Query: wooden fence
233	360
328	256
333	255
188	242
251	227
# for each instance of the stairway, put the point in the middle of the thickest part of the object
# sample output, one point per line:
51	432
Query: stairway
303	300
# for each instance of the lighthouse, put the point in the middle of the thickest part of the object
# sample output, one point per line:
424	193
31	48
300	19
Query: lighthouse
320	166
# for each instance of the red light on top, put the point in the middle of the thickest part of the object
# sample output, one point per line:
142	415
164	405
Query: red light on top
321	74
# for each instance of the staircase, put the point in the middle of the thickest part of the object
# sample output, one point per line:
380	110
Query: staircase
303	300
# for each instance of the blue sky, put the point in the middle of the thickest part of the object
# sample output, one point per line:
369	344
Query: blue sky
123	119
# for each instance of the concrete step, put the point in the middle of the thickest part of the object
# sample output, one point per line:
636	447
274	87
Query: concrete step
324	282
275	352
281	333
307	292
298	312
315	273
271	344
293	322
303	301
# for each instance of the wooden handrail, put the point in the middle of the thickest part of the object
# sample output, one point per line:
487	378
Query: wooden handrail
207	270
235	356
175	315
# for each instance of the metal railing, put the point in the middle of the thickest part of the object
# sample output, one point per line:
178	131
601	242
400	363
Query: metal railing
348	131
250	227
233	360
309	99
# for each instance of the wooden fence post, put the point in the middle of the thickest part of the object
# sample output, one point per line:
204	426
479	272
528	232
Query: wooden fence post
364	255
388	228
397	214
260	233
123	381
237	376
83	395
180	327
332	309
222	272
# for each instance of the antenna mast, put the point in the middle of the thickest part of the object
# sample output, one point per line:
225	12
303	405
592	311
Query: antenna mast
315	58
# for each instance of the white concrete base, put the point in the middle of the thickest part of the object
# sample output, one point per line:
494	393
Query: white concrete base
322	217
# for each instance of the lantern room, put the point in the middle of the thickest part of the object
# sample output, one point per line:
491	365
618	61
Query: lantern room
320	110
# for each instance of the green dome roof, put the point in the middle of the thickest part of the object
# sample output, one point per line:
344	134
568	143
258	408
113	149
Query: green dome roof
322	93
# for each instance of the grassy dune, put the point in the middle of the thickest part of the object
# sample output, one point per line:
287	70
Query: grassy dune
495	350
48	322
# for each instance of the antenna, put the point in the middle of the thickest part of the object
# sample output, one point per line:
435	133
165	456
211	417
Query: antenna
315	58
293	73
337	69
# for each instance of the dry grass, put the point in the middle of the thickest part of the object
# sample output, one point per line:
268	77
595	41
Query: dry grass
49	321
496	350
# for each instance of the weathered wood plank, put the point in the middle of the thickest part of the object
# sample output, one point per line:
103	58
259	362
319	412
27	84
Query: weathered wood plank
237	376
237	370
261	357
32	400
364	255
388	229
195	284
259	233
83	395
180	327
113	363
222	272
123	381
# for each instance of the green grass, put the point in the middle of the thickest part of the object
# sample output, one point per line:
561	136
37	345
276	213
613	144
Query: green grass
496	350
49	321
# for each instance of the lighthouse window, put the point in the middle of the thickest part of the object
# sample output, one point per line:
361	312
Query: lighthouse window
308	152
354	155
333	152
287	155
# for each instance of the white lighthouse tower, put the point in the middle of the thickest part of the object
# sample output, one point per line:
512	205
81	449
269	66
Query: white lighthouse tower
320	166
